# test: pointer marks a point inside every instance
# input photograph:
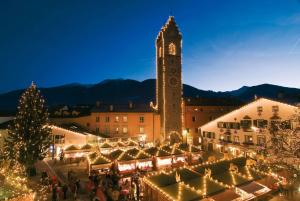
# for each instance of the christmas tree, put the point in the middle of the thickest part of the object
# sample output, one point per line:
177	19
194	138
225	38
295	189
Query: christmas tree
28	138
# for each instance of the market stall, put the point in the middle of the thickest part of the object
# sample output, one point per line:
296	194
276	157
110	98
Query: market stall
126	164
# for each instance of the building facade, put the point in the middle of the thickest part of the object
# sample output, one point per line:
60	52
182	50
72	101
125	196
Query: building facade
245	128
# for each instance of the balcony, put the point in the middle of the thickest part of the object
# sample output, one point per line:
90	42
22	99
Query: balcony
248	143
223	141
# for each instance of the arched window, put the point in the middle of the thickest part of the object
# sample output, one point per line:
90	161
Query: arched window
159	52
172	49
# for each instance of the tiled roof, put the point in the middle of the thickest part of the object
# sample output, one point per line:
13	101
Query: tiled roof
212	102
123	108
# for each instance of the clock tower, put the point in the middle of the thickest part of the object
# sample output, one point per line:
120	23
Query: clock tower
169	80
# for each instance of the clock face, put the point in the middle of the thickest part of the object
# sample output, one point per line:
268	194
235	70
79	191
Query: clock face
173	81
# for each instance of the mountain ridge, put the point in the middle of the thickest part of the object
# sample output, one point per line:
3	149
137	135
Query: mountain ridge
124	90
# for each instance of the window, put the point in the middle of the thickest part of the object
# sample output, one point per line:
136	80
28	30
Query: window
248	139
172	49
117	119
106	130
59	139
193	118
97	130
236	139
196	130
117	130
106	119
259	109
261	140
142	130
88	124
275	108
142	119
125	130
221	125
159	52
260	123
246	124
124	118
97	119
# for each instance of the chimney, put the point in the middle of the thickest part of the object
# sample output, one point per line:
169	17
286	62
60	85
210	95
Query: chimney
111	108
130	105
97	103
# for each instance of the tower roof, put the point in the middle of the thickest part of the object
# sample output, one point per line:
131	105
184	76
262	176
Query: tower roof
170	25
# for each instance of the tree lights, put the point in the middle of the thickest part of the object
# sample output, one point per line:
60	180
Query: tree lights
28	138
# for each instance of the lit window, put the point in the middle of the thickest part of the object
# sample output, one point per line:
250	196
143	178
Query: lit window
142	130
124	118
117	119
142	119
172	49
159	52
117	130
125	130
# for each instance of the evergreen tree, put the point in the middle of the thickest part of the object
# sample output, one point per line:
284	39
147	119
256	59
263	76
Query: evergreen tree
28	138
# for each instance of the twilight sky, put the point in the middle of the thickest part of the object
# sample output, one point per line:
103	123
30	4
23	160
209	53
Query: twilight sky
226	44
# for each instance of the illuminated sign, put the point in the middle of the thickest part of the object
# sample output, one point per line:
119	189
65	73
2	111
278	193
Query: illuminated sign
162	162
144	164
126	167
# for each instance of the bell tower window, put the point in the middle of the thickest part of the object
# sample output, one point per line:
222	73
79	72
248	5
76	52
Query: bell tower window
172	49
159	52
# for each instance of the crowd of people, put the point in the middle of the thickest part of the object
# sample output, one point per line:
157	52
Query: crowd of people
111	187
99	187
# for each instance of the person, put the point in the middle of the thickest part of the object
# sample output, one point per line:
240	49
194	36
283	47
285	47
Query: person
61	155
133	191
54	193
77	183
75	192
65	189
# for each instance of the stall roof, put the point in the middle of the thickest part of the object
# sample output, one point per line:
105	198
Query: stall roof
72	148
115	154
125	157
252	187
186	193
106	145
162	153
177	152
152	151
227	195
133	152
167	148
92	156
142	155
230	178
100	160
86	146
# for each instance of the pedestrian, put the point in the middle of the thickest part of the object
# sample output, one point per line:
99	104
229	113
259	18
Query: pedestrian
54	193
75	192
65	189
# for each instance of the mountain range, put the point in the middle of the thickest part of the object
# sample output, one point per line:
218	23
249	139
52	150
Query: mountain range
124	90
